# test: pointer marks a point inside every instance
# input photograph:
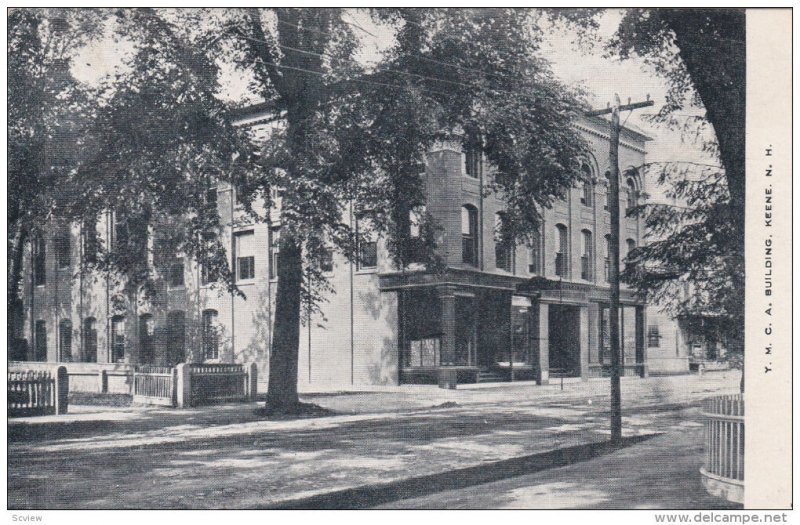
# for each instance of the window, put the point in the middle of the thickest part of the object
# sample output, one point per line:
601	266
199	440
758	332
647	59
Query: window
245	256
117	338
653	337
62	247
90	245
424	352
588	188
562	255
147	349
472	161
90	340
65	341
367	249
39	261
469	235
210	197
274	251
120	232
586	255
208	274
630	244
503	248
631	189
176	336
326	260
416	249
607	205
416	218
210	335
608	258
535	254
40	341
274	194
176	272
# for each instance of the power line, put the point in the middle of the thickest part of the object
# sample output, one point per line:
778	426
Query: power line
319	73
405	73
431	60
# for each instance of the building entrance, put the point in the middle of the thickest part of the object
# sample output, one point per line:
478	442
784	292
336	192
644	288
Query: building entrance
564	338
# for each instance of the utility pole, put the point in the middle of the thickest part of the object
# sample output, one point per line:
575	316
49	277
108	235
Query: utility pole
613	159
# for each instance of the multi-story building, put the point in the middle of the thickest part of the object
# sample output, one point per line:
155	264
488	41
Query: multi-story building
496	311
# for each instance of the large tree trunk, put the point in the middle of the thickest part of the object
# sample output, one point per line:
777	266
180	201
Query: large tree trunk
721	85
282	388
16	249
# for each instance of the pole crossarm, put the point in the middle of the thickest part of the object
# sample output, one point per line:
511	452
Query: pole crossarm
625	107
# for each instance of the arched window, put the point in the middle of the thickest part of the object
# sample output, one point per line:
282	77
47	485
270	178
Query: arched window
90	242
608	258
535	254
587	249
210	335
40	341
118	338
62	246
469	235
630	245
415	250
562	253
176	337
416	217
90	340
147	348
588	188
631	189
607	176
65	340
274	251
503	247
39	260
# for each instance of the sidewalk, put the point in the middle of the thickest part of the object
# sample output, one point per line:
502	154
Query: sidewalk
228	457
659	473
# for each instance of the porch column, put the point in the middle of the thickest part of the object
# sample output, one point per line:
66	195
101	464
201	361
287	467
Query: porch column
541	357
448	307
641	352
583	335
594	333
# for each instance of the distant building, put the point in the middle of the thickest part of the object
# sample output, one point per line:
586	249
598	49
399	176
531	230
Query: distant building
497	309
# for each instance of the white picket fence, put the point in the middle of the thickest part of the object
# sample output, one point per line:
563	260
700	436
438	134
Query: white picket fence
37	392
723	472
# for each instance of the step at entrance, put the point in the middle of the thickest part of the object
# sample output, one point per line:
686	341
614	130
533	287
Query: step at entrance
486	375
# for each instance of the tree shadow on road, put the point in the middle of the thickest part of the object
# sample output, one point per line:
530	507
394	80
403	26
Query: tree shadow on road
375	495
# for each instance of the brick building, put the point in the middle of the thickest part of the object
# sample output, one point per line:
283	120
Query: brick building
496	311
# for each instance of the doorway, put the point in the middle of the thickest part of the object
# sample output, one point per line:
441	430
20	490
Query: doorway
564	339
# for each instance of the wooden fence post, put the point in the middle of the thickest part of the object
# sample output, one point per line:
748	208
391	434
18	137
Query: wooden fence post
102	379
62	389
251	382
183	385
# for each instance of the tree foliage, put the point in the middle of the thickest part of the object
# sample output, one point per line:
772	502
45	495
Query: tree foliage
158	144
46	111
346	140
690	265
354	140
701	55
